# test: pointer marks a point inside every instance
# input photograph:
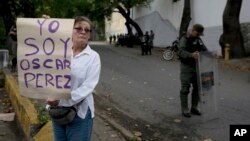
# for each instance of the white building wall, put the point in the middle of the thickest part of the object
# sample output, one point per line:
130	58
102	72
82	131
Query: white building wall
244	13
167	9
207	12
164	18
210	14
115	26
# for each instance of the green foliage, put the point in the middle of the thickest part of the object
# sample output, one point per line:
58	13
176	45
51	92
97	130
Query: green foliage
96	10
63	8
2	35
108	6
247	51
43	116
131	3
2	30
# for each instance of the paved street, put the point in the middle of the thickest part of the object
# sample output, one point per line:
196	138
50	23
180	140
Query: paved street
141	93
145	90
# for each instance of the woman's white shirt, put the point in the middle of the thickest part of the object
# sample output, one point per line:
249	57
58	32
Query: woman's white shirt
85	72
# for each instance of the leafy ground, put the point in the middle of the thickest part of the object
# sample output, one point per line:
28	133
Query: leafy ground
236	64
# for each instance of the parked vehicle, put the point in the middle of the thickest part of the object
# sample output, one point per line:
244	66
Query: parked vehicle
171	51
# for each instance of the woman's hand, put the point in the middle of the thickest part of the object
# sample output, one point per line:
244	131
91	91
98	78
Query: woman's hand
45	16
52	102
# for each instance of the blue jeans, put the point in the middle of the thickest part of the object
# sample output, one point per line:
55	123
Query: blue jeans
78	130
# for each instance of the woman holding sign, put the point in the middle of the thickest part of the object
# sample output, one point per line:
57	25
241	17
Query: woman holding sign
85	71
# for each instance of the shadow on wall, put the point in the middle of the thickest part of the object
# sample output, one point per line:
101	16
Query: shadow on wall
165	32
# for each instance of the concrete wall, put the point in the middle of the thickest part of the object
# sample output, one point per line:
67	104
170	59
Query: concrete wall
209	13
167	9
164	30
164	17
26	113
213	11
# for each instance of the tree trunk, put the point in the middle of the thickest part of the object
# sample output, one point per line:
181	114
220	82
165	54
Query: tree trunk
128	28
128	24
130	21
186	18
5	13
231	30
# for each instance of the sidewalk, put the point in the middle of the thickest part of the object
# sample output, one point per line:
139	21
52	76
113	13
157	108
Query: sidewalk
8	129
105	129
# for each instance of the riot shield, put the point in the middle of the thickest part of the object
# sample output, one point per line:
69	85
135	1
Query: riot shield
207	75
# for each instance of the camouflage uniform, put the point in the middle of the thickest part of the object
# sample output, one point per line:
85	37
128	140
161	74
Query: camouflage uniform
188	76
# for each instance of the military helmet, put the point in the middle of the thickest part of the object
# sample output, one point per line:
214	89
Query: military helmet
199	28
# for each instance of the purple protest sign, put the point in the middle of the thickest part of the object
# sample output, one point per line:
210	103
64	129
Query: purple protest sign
44	53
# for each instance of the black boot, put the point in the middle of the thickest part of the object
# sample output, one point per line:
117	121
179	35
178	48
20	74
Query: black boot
195	111
186	114
184	106
195	101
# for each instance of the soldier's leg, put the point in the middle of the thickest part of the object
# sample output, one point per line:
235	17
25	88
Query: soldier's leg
14	64
195	96
146	49
142	49
185	86
149	49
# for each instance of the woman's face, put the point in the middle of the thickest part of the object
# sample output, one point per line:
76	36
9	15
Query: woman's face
81	32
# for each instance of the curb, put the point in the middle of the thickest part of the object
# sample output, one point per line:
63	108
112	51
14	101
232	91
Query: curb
27	115
25	110
45	133
126	133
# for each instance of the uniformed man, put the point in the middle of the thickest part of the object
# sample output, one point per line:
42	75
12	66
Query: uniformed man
189	48
144	43
13	50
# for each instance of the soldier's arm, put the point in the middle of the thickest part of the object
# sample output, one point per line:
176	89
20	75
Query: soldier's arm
209	53
204	48
181	49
